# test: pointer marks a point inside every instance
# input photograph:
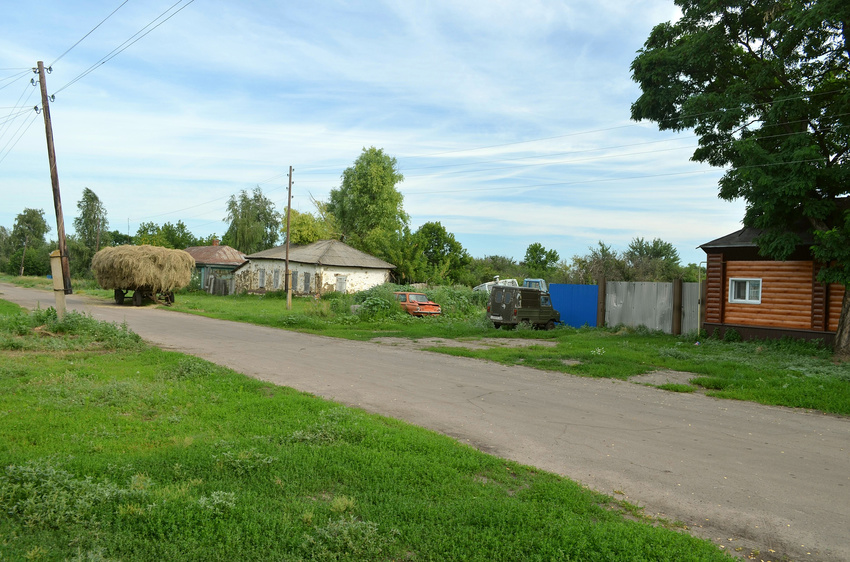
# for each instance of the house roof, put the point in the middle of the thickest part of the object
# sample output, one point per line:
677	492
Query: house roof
216	255
324	252
746	238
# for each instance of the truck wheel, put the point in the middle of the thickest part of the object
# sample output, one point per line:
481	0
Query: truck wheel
550	325
497	325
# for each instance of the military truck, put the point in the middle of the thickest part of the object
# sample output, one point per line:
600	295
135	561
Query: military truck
509	306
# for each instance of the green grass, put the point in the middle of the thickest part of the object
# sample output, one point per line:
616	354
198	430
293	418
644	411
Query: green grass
783	373
113	450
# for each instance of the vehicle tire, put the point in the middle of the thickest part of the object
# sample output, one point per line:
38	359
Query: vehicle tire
137	298
497	325
550	325
119	296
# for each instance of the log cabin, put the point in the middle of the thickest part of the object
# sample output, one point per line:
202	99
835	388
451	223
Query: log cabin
763	298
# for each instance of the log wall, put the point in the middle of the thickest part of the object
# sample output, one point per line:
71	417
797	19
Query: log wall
836	298
786	294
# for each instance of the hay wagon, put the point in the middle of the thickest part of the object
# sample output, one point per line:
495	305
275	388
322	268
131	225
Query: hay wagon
150	272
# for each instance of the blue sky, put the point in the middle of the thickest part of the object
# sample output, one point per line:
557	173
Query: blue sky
509	120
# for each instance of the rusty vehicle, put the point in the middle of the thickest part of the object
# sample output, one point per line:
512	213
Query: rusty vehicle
511	306
417	304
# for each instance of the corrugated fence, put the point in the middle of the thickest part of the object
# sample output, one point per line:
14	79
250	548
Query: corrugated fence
629	304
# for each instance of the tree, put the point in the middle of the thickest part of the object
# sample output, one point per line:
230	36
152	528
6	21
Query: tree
254	222
27	234
367	198
307	227
178	235
151	233
6	247
652	261
766	87
445	258
118	238
601	263
539	260
91	225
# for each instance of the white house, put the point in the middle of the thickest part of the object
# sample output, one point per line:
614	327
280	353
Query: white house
321	267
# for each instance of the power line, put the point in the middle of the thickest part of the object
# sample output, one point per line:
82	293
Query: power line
129	42
87	34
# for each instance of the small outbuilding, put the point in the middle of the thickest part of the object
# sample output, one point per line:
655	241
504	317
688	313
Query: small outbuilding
321	267
763	298
214	266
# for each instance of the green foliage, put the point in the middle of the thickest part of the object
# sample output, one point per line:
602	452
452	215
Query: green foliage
29	229
367	199
91	225
446	260
766	88
35	261
151	233
652	261
254	222
308	228
539	260
17	331
178	236
172	469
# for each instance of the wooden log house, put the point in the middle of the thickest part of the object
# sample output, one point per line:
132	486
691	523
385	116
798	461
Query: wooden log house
763	298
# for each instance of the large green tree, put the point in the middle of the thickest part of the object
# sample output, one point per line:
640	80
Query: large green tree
539	260
27	237
254	222
652	261
367	198
445	258
765	85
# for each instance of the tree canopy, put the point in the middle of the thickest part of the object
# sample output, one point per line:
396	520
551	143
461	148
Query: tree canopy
367	198
765	85
445	258
91	225
539	260
254	222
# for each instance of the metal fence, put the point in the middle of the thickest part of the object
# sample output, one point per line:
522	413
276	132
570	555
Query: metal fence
629	304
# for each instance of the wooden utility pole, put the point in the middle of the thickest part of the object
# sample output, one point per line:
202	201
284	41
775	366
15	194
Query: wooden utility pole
54	180
288	273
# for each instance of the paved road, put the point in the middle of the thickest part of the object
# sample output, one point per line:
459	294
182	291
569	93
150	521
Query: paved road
744	475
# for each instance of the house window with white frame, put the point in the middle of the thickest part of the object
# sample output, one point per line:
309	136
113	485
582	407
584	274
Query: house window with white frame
747	291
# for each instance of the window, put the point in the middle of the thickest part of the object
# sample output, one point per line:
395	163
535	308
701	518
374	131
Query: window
745	291
261	283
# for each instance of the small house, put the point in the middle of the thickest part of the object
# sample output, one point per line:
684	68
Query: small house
763	298
318	268
214	266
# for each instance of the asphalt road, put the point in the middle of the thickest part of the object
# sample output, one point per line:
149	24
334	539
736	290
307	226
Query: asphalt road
746	476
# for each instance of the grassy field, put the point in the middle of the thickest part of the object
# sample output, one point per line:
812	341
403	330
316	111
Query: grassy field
783	373
113	450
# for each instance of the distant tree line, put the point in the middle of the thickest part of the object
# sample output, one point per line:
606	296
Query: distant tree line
366	212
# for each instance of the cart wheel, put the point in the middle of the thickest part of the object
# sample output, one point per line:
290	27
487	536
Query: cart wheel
168	298
137	298
119	296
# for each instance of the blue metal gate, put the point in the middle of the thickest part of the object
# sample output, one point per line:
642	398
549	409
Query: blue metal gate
576	303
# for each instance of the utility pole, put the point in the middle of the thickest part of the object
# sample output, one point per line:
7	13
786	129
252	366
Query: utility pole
54	180
288	273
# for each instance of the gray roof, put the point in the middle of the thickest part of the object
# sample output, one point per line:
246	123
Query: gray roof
324	252
216	255
746	238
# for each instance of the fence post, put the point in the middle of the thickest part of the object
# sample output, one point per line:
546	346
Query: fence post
600	303
677	307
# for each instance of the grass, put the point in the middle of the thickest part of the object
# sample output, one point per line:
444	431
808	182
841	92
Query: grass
783	373
113	450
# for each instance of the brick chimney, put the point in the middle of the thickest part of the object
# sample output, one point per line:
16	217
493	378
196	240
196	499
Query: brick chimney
215	242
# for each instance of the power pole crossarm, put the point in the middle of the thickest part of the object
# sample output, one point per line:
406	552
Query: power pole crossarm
54	180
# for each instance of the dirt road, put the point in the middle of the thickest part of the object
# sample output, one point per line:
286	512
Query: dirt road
746	476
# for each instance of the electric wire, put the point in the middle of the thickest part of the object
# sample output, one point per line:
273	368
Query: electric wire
129	42
87	34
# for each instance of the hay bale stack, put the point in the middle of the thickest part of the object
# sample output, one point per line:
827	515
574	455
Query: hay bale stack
150	267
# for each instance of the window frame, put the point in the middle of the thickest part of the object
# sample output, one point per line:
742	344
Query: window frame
747	280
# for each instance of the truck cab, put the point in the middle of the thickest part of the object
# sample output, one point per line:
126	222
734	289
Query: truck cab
510	306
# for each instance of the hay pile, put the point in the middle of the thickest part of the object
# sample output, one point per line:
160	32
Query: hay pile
150	267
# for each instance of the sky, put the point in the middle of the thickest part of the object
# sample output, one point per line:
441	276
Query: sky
509	120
